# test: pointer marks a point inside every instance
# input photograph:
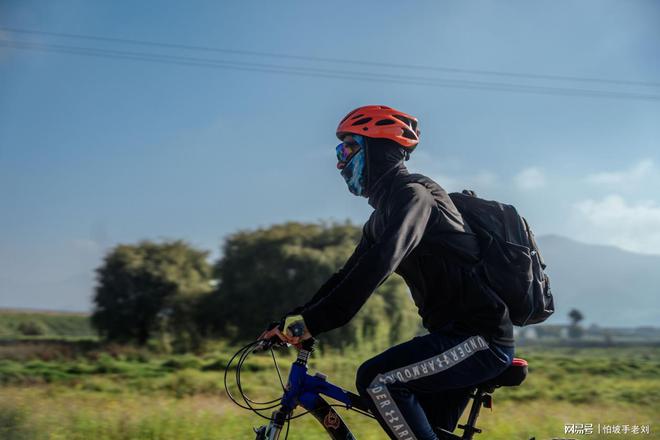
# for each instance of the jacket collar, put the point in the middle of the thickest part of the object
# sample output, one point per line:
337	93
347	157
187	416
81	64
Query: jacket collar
380	189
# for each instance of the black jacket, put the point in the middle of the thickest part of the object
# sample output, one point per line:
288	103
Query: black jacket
417	232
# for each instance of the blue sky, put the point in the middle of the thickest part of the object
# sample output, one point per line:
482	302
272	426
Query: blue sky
99	151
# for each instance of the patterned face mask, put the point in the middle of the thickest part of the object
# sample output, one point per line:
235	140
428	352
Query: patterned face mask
353	172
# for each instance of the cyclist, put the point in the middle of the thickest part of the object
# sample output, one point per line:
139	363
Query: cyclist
416	231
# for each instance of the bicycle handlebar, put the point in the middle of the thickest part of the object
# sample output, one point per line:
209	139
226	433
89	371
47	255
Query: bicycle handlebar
265	344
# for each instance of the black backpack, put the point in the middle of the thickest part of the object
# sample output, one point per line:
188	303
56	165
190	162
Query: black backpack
510	258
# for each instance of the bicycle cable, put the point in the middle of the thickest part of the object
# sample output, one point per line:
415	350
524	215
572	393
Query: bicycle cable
277	367
242	355
246	399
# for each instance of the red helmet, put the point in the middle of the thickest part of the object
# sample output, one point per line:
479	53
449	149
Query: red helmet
379	121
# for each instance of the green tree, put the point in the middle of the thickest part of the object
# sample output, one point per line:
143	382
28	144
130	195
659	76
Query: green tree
575	331
266	273
150	287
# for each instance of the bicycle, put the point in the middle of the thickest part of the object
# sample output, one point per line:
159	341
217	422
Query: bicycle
307	390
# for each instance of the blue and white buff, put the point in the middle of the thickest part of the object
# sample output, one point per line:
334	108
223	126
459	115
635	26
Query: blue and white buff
353	173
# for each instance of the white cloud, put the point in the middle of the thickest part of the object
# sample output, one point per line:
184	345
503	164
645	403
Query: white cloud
635	174
486	179
530	179
613	220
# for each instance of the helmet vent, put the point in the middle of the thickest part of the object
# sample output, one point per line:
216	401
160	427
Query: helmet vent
361	121
402	119
357	116
409	134
385	122
348	116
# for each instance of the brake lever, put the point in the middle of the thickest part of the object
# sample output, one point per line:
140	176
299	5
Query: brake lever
265	344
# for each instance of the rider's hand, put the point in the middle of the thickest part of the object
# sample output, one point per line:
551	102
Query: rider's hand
295	330
291	324
272	331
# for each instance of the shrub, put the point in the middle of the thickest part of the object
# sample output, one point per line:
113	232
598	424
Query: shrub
32	328
182	362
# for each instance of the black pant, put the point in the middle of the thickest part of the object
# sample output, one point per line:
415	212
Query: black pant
426	381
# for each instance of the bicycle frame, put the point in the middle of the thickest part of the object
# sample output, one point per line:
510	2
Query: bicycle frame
306	390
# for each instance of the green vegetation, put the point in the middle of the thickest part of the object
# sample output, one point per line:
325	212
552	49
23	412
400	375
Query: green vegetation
26	324
58	380
151	287
631	376
170	294
131	393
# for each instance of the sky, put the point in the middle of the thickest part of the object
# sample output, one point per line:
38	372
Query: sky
101	150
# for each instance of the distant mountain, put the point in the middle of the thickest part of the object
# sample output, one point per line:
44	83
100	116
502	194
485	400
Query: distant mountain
610	286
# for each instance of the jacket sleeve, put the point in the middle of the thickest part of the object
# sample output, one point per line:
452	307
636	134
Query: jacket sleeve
407	214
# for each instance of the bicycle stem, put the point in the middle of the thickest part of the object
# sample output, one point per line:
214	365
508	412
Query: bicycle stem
307	347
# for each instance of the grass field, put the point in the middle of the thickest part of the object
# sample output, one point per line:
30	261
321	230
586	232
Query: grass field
30	324
123	393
